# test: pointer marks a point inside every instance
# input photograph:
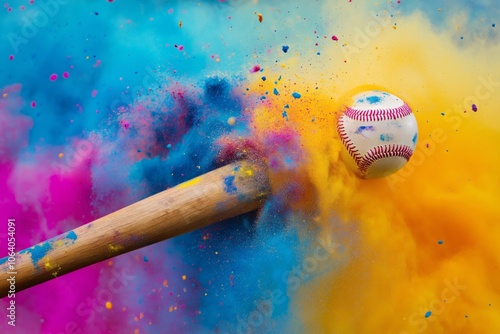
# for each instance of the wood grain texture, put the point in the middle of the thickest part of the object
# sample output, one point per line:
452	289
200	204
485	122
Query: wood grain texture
223	193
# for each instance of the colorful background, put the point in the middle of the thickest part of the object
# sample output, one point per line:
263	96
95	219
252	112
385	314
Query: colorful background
104	103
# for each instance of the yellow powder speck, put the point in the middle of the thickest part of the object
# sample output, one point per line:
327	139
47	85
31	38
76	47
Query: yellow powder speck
231	120
141	315
165	283
259	16
183	277
115	248
109	305
60	155
58	243
110	263
170	309
189	183
136	331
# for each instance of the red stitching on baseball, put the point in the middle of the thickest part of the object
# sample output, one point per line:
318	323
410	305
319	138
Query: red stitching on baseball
378	114
385	151
349	145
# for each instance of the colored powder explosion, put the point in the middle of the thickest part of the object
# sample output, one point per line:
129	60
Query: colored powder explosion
107	103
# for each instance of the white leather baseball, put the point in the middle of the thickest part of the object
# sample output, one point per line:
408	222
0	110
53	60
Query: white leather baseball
379	133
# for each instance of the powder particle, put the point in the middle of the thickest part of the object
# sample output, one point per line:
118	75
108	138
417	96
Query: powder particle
255	68
229	186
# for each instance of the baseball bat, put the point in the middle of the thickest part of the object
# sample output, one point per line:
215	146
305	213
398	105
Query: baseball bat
223	193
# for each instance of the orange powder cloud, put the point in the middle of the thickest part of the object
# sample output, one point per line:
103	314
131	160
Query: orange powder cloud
426	239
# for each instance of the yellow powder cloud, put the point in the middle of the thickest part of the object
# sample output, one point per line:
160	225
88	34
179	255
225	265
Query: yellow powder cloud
426	239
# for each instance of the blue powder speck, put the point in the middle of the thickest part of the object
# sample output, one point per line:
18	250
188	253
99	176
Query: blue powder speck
296	95
373	99
386	137
440	242
146	259
284	115
285	48
364	128
275	91
493	25
415	137
71	235
264	78
428	314
229	187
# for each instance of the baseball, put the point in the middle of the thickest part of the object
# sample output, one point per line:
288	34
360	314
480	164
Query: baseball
379	133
